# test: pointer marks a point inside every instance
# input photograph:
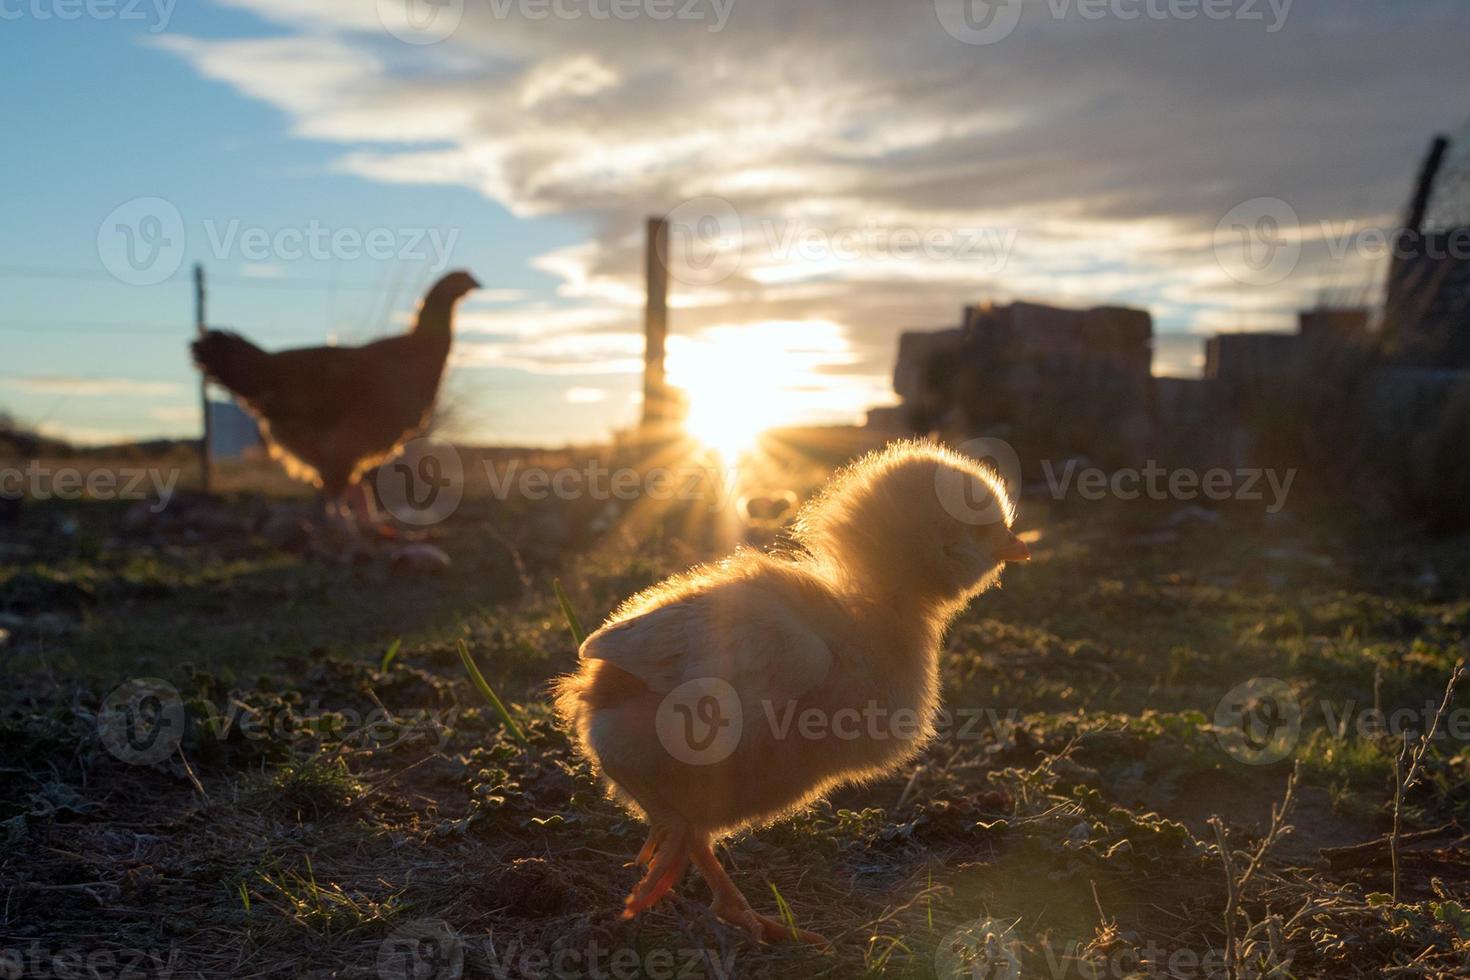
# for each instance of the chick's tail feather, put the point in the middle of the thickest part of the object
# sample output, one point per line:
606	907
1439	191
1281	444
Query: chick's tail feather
231	360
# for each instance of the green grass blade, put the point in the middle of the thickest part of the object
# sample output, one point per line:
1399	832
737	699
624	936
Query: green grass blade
390	655
929	898
573	623
784	911
490	695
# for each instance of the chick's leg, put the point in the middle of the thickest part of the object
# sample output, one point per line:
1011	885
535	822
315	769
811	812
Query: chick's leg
650	846
667	854
732	907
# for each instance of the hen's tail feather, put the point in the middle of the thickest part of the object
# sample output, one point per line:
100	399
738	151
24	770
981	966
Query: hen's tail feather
231	360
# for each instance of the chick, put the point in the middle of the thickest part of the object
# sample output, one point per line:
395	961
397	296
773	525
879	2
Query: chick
685	698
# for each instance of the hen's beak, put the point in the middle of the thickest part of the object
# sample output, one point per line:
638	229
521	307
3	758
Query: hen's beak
1014	549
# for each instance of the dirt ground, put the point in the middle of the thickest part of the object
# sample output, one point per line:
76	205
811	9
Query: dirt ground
337	800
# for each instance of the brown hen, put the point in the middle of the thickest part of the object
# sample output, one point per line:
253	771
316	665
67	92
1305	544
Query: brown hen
330	414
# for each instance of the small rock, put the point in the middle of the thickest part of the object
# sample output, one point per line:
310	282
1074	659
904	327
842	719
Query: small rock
140	516
286	530
51	622
606	519
1293	555
769	508
420	559
1193	515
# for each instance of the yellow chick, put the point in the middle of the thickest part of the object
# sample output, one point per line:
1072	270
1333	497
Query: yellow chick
736	693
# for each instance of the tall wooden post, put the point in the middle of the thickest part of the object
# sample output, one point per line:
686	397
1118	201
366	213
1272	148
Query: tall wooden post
1428	171
656	324
200	325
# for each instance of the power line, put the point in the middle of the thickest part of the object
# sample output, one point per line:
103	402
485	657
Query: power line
69	326
249	282
97	326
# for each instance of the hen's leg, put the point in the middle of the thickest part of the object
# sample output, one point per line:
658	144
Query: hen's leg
359	501
732	907
335	517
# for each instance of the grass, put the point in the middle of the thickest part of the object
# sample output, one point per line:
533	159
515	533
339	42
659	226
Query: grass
364	778
319	784
484	688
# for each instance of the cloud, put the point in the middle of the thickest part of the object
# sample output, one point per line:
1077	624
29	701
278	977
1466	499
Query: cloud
1099	156
90	387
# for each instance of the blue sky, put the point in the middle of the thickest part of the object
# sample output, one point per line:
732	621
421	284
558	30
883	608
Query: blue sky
1078	160
108	117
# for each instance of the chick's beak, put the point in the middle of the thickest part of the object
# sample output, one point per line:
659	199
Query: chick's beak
1014	549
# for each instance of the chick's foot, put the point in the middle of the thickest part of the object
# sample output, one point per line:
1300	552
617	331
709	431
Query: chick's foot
730	906
670	859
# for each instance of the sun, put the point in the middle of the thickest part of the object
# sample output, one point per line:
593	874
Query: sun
743	379
725	425
735	387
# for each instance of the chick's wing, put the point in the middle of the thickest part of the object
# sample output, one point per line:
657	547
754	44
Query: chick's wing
738	632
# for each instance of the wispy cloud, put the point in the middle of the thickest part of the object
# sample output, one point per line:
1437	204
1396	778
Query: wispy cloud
90	387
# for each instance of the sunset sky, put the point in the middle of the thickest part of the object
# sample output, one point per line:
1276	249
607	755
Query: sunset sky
866	166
